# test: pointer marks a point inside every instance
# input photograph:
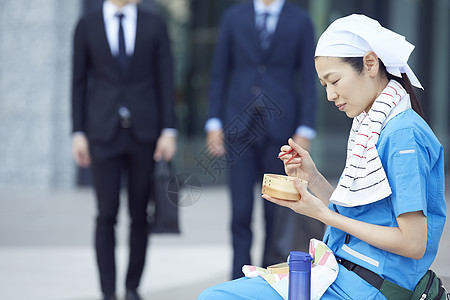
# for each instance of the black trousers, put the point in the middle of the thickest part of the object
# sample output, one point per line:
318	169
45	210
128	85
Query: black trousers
110	162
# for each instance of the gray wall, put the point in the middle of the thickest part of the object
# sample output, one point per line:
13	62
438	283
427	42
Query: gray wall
35	63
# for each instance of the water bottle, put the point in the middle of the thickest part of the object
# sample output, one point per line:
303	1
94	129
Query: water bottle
299	276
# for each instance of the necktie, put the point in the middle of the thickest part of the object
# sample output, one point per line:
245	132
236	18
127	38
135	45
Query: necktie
263	33
122	57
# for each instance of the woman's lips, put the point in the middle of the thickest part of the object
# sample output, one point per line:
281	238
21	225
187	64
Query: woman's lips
341	106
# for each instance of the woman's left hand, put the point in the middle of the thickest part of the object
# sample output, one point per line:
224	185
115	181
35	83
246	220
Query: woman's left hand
308	205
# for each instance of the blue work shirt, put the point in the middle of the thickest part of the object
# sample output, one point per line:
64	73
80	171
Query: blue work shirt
413	160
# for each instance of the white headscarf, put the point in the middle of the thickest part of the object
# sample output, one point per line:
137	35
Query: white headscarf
354	35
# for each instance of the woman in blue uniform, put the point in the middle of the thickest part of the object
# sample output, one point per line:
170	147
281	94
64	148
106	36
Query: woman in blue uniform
386	215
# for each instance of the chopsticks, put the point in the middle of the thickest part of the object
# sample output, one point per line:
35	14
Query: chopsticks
295	154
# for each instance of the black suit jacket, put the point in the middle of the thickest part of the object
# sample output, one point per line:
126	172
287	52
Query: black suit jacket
99	88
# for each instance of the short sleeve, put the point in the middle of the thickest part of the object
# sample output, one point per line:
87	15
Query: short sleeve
408	168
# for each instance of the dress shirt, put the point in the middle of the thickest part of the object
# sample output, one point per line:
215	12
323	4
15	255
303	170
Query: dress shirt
274	10
129	22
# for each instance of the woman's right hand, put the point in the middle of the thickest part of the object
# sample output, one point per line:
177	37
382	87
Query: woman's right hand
302	165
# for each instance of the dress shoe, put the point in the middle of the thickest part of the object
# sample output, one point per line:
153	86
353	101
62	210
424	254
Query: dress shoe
112	297
132	295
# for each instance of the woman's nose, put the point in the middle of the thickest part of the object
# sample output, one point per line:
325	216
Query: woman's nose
331	95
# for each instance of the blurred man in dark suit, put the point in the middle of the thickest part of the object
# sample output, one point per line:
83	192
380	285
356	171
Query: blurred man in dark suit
123	120
261	93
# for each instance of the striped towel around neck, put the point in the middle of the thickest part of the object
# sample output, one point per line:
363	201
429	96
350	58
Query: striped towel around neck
364	180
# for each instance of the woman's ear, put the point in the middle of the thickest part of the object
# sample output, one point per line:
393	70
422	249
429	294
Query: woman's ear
371	63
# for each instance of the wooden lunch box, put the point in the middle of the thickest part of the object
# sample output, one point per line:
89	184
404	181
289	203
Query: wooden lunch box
280	186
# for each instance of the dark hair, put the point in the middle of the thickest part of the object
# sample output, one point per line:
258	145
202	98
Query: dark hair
358	64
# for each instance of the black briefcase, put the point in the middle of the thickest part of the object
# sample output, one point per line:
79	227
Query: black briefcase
163	211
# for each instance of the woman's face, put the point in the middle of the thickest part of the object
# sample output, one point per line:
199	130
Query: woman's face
351	92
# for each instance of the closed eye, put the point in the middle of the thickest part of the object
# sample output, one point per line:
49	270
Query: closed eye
322	83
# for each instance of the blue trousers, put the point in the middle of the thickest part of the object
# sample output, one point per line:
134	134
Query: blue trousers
347	286
242	288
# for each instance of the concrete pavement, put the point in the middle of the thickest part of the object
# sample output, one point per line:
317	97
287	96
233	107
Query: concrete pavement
46	247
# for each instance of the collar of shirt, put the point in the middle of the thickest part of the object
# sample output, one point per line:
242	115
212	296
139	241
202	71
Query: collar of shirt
129	23
274	10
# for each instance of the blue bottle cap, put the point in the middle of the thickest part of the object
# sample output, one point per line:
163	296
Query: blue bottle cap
299	261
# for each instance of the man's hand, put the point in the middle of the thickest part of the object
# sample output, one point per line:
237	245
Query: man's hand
166	147
214	142
80	149
302	142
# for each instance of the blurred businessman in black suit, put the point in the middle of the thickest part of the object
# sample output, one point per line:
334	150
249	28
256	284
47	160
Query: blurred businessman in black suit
265	50
123	120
